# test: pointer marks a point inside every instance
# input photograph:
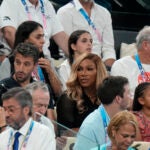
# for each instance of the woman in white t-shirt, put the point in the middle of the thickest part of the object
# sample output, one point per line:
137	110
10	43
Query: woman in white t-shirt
80	41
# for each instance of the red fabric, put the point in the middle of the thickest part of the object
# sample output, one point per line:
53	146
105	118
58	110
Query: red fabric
144	126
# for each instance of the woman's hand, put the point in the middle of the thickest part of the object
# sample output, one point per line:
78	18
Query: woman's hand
45	64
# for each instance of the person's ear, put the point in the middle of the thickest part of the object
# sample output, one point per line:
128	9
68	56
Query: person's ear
113	132
141	100
73	46
145	45
26	110
118	99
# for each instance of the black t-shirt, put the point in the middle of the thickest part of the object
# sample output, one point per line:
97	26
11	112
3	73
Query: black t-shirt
68	114
53	97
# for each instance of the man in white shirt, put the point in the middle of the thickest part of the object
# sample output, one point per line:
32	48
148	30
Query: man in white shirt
17	103
13	13
137	67
87	15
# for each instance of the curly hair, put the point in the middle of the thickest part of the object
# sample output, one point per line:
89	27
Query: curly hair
74	89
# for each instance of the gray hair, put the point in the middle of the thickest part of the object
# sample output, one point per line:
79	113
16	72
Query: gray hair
22	96
37	85
143	35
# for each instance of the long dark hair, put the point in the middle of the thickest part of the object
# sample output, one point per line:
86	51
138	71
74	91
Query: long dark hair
24	30
73	40
139	92
22	33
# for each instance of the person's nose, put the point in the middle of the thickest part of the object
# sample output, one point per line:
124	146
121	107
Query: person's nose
89	43
42	110
7	113
42	41
130	140
84	72
21	67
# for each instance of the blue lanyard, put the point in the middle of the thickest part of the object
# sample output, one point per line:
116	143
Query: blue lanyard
104	119
25	5
103	115
42	11
26	137
87	18
42	7
40	73
85	15
136	56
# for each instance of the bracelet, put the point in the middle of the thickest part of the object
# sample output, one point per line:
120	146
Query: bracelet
3	127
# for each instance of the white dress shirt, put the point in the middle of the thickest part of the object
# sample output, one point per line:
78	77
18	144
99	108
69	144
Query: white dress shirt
40	138
127	67
72	20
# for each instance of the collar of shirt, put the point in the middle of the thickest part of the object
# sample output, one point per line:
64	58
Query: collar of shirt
106	114
24	129
78	5
30	5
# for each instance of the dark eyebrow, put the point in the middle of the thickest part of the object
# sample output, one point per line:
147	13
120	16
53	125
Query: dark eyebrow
40	34
11	106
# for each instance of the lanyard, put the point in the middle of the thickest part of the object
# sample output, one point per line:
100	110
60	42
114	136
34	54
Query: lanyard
25	141
40	73
87	18
104	119
37	74
42	11
136	56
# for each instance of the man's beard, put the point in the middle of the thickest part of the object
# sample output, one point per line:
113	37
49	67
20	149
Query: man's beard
16	124
21	79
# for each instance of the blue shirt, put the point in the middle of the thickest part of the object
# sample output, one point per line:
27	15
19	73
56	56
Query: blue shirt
92	131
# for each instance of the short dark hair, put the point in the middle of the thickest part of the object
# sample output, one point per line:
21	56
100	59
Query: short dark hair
27	50
22	96
139	92
110	88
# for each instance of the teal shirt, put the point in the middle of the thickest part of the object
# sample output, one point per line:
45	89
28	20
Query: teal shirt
104	147
92	131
